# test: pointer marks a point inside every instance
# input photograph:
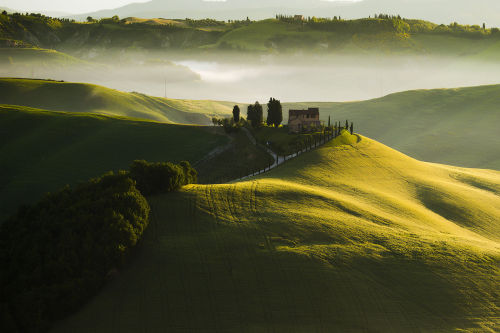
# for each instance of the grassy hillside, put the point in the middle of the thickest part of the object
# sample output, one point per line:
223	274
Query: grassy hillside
351	238
41	151
79	97
451	126
36	57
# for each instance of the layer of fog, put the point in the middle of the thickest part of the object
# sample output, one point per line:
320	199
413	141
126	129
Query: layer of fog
291	79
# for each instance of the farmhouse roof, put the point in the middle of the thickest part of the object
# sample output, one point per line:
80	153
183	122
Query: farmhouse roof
310	111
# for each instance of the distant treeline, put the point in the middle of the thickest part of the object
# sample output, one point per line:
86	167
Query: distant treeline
390	23
59	252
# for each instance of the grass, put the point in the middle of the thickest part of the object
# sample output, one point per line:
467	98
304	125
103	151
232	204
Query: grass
238	160
281	141
41	151
450	126
346	238
80	97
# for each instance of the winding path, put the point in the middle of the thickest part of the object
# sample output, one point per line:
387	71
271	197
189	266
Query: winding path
278	160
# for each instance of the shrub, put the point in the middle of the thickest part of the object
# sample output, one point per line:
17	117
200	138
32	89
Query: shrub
58	253
154	178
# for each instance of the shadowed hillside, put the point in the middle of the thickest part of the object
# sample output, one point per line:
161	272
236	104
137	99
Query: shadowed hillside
342	239
41	151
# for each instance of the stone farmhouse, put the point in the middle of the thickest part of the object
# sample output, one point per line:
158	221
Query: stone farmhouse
303	120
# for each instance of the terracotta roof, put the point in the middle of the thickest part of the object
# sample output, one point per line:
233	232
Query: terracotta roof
310	111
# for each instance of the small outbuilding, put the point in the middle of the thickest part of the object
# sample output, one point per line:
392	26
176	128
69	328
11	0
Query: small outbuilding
303	120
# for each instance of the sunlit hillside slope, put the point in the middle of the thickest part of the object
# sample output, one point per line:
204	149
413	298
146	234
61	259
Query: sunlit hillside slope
41	151
350	238
32	56
450	126
80	97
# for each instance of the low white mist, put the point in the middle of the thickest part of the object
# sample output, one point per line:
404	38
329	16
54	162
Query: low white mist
288	78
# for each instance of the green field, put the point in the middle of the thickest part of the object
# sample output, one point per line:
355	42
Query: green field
239	159
41	151
284	143
352	238
81	97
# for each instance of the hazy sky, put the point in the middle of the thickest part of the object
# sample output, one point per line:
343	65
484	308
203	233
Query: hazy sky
70	6
74	6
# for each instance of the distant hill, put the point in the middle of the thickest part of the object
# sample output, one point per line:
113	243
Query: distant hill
347	238
440	11
366	36
38	57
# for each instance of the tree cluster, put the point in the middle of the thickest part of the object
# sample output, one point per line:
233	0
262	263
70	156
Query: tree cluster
59	252
204	23
255	114
154	178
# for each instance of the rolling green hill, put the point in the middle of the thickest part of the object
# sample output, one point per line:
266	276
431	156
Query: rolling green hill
36	57
41	151
80	97
450	126
349	238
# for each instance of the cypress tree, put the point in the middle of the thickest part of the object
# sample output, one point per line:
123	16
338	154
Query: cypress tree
352	128
250	113
258	114
274	112
236	114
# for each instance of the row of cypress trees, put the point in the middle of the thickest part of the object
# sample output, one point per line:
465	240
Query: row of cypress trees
255	114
